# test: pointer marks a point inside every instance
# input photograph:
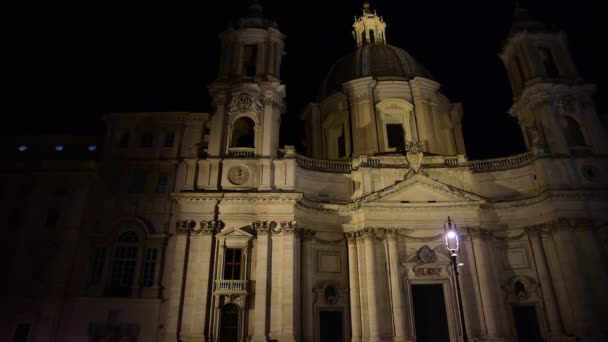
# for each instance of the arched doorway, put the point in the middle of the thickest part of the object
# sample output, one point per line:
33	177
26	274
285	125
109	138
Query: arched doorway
229	323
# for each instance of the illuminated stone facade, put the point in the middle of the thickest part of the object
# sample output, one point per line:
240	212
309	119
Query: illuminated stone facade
199	227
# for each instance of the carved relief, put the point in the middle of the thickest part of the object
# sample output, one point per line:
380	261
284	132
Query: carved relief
426	255
414	154
276	228
244	103
183	227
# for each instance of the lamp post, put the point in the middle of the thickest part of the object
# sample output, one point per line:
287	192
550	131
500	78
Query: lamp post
451	242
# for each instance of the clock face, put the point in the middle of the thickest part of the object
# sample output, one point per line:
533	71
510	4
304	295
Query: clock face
238	175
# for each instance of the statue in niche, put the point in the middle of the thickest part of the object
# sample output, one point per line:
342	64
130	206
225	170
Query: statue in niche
331	295
520	290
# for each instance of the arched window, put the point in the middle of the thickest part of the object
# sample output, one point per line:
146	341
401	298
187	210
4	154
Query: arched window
124	263
243	134
574	136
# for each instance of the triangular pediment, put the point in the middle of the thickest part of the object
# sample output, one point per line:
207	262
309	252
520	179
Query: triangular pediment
420	189
235	232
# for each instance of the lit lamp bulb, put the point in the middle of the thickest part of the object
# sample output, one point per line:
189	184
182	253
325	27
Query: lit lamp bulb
451	238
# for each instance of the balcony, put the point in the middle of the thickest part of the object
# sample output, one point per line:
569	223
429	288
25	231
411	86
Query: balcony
241	152
230	287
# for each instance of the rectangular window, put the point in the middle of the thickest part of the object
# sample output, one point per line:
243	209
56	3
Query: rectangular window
22	332
548	62
149	267
250	54
169	139
232	264
115	184
52	217
395	136
97	266
15	219
124	140
162	185
123	271
137	184
147	139
341	145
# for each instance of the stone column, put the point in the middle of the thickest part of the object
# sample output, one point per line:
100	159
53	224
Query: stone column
399	319
172	282
369	235
291	282
493	308
308	333
354	291
260	313
548	295
559	284
197	281
275	275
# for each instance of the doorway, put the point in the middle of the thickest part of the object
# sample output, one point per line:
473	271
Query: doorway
229	324
330	326
430	318
526	324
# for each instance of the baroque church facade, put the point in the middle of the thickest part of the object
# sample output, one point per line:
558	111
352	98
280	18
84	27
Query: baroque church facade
200	227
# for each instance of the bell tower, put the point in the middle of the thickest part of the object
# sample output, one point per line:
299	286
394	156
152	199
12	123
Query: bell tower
248	98
553	105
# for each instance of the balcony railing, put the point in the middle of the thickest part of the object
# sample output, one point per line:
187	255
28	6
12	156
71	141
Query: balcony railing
502	163
231	286
324	165
241	152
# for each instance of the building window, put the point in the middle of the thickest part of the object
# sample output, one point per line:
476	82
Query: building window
147	139
341	145
250	52
115	183
395	136
572	131
124	262
232	264
137	184
243	133
372	36
124	140
548	62
22	332
149	267
169	139
52	217
15	218
97	263
162	184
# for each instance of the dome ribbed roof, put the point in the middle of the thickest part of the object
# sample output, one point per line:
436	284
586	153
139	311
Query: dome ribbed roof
379	60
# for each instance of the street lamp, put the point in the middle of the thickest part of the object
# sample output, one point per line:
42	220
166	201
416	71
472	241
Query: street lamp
451	242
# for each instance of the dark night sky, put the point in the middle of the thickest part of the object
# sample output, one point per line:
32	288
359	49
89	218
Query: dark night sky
69	64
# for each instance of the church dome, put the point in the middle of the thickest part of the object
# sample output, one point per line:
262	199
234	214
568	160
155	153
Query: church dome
378	60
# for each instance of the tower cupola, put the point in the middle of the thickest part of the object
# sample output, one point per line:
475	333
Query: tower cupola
369	28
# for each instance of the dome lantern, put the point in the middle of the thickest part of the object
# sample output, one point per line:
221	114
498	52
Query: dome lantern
369	28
